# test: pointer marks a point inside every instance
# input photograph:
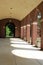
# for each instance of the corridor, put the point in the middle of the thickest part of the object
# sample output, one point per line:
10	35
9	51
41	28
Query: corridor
15	51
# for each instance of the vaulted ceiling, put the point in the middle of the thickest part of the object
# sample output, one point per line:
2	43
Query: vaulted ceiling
17	9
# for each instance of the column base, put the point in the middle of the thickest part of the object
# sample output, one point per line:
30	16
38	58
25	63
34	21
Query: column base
41	49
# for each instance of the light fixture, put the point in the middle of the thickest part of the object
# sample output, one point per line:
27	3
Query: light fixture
39	15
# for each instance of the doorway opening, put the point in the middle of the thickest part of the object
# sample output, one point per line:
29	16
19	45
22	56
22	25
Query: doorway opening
10	30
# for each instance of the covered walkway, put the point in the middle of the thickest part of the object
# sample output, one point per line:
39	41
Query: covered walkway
14	51
21	32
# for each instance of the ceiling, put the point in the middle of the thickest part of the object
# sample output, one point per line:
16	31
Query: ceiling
17	9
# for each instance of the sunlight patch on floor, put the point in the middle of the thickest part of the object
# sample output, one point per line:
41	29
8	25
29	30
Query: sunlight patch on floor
17	41
24	46
26	51
28	54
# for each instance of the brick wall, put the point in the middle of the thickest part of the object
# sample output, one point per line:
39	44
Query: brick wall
4	22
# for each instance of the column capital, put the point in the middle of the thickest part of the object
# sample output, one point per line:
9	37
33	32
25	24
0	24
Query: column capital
15	27
34	23
22	27
28	24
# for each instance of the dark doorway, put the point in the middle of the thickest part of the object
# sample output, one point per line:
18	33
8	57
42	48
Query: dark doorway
10	30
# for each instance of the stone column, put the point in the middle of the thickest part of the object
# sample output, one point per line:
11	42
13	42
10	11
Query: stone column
34	33
42	35
28	32
22	32
25	33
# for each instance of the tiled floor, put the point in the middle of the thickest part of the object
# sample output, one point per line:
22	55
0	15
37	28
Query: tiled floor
14	51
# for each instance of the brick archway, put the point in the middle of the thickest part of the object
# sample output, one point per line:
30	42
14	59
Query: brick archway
9	29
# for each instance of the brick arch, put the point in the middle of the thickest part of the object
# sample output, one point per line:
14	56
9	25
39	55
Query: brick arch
10	25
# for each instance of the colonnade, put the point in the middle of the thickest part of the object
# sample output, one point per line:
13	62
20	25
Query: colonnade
25	33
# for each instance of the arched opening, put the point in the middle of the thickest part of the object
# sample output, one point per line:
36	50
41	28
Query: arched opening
10	30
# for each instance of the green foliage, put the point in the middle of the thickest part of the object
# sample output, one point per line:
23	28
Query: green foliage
39	23
8	31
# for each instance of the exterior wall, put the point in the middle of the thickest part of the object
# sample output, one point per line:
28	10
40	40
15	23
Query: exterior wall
4	22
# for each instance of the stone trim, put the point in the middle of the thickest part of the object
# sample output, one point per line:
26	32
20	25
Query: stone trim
34	23
28	24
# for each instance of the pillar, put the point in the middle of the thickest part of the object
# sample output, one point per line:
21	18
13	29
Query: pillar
34	33
25	33
42	35
22	32
28	32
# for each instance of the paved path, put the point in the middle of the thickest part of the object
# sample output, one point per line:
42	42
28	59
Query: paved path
14	51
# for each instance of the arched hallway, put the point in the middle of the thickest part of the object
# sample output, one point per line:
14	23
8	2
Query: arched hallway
15	51
21	32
